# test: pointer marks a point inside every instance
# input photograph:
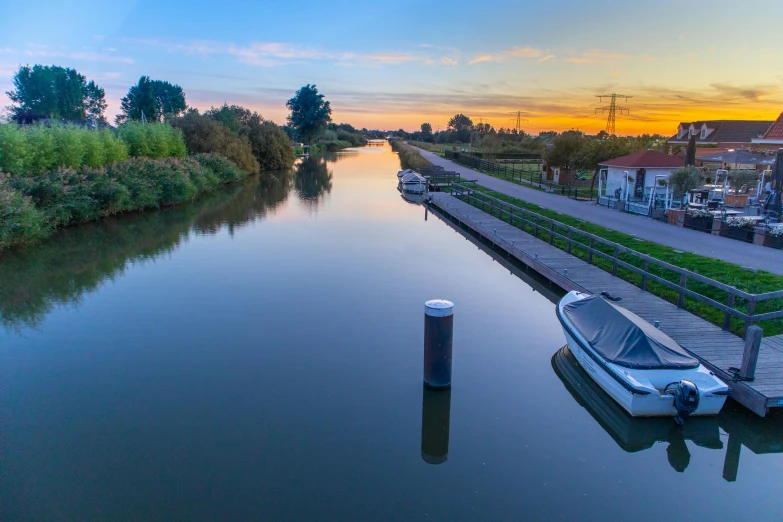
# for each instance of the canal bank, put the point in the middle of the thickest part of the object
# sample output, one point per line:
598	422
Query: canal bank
686	240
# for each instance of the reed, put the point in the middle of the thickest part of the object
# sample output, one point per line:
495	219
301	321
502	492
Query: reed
32	207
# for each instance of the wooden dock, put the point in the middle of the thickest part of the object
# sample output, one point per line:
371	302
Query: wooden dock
717	349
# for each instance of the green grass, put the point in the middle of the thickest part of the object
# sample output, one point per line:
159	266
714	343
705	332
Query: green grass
727	273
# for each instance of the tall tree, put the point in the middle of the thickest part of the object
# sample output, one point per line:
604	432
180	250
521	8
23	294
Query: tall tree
462	127
310	113
567	150
426	132
43	91
154	98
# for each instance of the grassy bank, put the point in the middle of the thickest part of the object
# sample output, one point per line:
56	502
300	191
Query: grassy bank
721	271
409	156
727	273
33	207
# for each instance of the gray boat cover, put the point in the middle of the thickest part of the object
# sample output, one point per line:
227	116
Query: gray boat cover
624	338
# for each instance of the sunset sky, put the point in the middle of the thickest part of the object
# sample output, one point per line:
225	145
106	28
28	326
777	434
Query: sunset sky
391	65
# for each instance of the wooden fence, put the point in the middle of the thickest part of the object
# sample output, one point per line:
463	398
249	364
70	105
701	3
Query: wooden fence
554	229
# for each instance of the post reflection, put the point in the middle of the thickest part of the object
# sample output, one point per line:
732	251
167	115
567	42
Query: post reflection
435	421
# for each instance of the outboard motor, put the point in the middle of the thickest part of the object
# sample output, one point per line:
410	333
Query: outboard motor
686	400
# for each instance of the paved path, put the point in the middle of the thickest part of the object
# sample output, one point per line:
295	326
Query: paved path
687	240
717	349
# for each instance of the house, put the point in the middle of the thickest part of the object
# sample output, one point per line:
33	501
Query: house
628	181
773	137
727	134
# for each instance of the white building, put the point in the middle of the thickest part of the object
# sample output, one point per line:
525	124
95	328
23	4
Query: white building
631	179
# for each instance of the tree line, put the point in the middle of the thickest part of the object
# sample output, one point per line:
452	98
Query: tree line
54	93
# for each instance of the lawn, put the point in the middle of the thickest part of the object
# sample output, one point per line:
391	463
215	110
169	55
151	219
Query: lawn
727	273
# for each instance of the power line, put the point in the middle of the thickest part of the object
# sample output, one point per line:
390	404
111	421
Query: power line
612	108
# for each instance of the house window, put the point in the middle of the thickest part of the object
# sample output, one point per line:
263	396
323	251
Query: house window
703	133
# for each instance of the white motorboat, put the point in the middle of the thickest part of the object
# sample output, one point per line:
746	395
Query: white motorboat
413	183
640	367
401	173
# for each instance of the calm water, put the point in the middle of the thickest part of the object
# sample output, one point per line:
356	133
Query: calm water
258	355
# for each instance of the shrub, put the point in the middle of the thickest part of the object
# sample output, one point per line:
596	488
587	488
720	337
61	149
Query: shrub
32	206
335	145
203	134
20	222
221	167
355	139
152	140
271	146
685	179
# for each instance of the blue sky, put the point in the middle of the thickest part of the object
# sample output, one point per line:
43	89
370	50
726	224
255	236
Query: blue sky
397	65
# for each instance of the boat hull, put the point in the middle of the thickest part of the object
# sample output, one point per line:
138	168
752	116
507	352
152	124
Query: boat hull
632	390
414	188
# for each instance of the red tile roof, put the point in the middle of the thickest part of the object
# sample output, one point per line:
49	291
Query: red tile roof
775	132
646	159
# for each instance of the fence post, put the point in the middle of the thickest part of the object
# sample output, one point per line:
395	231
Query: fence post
750	355
590	251
727	315
614	261
644	274
551	231
536	225
751	311
569	240
683	284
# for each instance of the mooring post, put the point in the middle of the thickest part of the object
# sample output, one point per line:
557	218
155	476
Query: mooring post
751	354
438	337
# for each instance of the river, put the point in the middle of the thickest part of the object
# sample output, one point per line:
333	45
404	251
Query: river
257	355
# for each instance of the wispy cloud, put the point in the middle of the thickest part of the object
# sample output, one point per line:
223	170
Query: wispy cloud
524	52
597	56
43	51
486	58
270	54
449	61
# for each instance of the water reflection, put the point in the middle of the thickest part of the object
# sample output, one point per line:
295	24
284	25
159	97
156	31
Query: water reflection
435	425
632	434
312	177
79	259
742	427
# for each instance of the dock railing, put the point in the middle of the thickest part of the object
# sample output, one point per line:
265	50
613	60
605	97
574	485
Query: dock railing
589	243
